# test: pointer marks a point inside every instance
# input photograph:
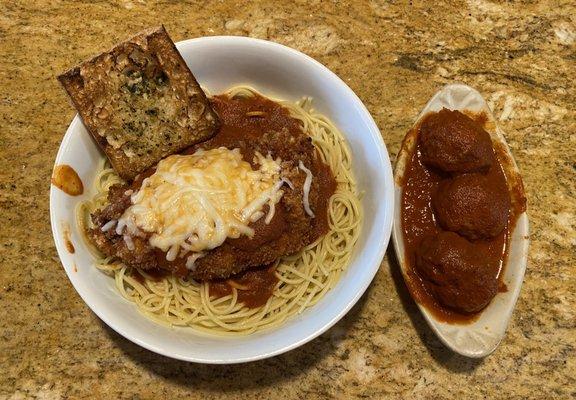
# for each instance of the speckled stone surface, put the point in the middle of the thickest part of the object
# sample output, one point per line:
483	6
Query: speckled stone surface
520	54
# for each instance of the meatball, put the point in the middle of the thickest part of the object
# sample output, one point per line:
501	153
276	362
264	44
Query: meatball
452	142
455	276
473	205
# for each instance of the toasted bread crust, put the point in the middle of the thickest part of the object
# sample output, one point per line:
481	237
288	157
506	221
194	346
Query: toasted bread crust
140	102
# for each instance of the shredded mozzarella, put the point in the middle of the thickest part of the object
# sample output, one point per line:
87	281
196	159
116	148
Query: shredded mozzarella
307	185
289	183
108	225
120	226
271	211
272	206
191	260
259	202
195	202
129	242
256	216
172	253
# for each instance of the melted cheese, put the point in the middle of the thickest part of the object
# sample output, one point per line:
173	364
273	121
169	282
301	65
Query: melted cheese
306	188
195	202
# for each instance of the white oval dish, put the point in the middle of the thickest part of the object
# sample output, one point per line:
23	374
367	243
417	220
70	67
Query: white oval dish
277	71
482	336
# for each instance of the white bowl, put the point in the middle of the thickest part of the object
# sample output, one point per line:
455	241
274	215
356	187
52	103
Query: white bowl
277	71
482	336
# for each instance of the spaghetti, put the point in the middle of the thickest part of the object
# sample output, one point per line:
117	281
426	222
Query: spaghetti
303	278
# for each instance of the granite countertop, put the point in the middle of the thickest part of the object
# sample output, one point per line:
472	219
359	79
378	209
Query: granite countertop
521	55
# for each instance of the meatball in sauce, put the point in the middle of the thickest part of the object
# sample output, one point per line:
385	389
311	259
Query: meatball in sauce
455	216
456	276
452	142
475	206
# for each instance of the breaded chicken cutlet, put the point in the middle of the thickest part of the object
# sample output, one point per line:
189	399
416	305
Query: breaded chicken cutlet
291	228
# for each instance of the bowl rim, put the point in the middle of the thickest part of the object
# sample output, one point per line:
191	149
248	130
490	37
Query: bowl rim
382	235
